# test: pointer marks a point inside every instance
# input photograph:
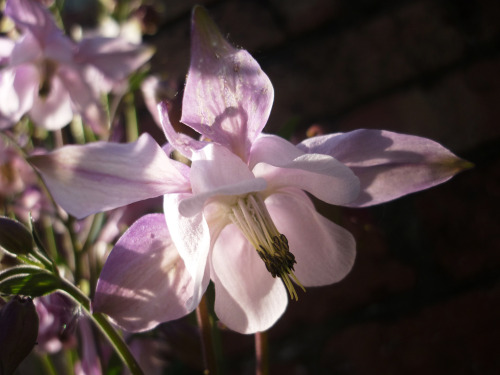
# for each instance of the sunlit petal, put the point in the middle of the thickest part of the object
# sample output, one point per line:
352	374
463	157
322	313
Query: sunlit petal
144	281
389	165
101	175
227	97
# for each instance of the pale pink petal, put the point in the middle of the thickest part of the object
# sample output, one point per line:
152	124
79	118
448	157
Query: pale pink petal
53	111
26	84
26	50
191	236
216	171
59	48
195	203
34	17
271	149
227	97
100	176
323	250
389	165
215	166
36	21
89	362
150	87
115	57
30	48
182	143
98	82
18	88
144	281
6	47
85	99
281	164
247	298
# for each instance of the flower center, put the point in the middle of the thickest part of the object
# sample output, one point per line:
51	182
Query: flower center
48	69
251	216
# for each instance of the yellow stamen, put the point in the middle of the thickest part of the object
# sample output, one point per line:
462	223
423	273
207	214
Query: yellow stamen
251	216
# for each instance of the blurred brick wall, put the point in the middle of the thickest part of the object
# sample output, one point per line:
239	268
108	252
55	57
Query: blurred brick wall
424	294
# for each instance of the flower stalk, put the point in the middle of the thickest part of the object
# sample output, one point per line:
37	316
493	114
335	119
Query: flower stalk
105	327
207	348
261	353
132	129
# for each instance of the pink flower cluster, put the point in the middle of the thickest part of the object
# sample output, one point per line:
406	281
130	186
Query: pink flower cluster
51	78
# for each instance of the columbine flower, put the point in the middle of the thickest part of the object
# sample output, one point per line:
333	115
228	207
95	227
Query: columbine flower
239	215
47	75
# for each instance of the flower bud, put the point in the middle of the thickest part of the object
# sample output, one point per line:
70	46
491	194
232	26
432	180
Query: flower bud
15	238
18	332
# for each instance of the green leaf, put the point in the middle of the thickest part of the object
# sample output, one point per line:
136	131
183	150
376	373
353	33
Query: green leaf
19	270
31	284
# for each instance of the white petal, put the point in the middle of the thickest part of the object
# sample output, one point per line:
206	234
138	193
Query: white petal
324	251
283	165
247	298
55	110
191	237
216	171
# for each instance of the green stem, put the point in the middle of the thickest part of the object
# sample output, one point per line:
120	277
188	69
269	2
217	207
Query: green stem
50	239
77	130
95	228
261	353
207	347
106	328
76	246
132	128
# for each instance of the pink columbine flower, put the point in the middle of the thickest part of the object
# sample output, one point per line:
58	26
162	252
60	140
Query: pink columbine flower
239	215
48	76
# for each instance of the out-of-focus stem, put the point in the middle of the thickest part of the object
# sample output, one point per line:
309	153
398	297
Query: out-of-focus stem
51	246
207	347
76	127
58	138
132	129
261	353
48	365
76	246
95	227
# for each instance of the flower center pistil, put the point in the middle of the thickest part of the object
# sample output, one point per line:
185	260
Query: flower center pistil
251	216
